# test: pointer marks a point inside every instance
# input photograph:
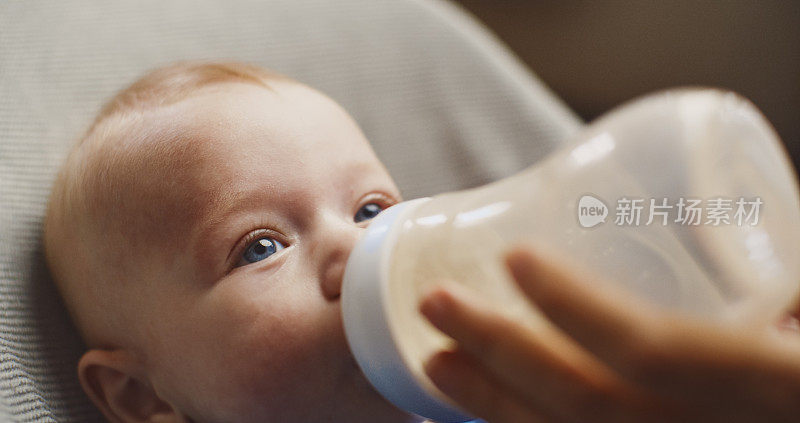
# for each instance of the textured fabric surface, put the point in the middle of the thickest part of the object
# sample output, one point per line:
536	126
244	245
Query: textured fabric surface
445	106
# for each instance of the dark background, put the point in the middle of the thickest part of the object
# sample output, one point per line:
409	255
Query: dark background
597	54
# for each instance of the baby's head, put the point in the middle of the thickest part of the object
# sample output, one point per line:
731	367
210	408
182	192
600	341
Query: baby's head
198	234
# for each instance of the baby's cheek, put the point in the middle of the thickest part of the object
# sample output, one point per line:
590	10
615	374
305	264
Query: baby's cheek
273	357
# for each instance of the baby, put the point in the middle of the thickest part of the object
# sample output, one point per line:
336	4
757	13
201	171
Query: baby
198	234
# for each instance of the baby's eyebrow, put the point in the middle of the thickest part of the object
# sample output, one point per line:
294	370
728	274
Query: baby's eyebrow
225	203
222	206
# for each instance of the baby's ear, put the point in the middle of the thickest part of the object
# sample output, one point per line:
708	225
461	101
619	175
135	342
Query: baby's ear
117	384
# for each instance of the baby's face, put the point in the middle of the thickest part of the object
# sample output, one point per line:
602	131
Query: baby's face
239	307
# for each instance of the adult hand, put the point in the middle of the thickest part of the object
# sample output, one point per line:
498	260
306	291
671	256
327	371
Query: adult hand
605	356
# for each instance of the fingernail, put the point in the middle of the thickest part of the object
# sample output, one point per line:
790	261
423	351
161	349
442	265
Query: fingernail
434	303
527	271
521	262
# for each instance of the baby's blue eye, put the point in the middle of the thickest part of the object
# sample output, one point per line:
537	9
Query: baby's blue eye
367	211
260	249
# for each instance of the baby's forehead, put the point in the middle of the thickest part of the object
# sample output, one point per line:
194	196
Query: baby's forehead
289	119
233	137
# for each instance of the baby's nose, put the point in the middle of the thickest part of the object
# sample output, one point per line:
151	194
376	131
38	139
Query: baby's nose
339	245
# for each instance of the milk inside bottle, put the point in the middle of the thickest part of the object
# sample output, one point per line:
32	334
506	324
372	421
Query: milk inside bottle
685	198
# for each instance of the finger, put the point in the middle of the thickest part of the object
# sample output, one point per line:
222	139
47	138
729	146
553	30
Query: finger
681	357
468	383
607	322
540	364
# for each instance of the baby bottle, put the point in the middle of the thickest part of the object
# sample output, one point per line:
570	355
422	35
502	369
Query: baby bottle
684	198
